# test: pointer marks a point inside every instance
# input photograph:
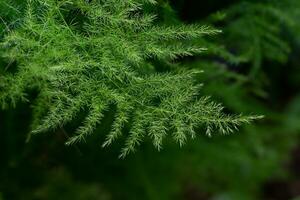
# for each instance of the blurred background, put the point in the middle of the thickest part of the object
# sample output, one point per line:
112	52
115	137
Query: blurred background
255	69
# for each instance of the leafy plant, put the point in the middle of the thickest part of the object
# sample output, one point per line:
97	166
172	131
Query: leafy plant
102	59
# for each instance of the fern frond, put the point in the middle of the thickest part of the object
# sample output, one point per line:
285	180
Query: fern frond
108	63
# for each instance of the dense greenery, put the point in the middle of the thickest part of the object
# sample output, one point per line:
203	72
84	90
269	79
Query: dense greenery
97	68
147	72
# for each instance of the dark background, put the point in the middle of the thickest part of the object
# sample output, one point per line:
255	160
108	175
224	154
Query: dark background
261	161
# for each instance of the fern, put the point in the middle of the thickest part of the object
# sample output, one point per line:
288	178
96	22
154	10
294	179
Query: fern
104	60
260	27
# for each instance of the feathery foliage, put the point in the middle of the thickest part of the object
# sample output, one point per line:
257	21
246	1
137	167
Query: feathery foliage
243	69
104	60
260	28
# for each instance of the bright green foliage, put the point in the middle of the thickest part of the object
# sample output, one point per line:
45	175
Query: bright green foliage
103	62
246	76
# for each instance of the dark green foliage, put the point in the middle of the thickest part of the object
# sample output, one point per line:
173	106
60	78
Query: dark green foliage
119	87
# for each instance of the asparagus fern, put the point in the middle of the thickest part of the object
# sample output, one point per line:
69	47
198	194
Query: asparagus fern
102	57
